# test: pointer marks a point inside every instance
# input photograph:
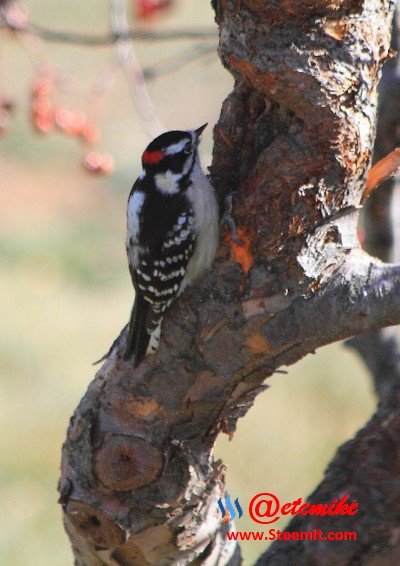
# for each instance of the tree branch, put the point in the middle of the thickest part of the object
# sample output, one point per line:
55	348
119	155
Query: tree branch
378	219
126	58
178	61
138	35
380	349
365	468
139	484
350	471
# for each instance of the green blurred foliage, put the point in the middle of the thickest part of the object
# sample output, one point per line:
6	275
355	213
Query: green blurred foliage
66	293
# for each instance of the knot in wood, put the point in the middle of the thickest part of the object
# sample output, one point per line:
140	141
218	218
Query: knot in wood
125	463
93	526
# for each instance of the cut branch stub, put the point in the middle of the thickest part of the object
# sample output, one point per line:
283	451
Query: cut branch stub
93	526
124	463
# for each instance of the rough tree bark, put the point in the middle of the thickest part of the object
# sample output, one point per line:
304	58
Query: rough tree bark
139	484
366	466
381	349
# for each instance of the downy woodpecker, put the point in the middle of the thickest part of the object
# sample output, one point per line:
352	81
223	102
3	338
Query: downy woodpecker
172	234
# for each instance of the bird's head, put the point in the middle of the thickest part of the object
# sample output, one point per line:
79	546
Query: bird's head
171	156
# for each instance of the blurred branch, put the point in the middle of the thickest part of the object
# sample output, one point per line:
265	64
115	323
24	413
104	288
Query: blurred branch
366	468
178	61
137	35
14	17
126	58
380	351
103	82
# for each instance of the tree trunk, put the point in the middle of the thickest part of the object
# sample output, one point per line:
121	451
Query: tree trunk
139	484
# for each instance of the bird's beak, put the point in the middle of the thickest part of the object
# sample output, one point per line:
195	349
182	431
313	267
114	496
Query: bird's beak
200	130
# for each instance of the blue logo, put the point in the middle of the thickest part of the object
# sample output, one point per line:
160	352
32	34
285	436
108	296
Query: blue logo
230	508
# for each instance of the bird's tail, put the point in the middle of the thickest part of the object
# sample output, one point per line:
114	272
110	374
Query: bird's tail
138	337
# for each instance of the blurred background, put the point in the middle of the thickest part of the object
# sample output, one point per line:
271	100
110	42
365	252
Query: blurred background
65	286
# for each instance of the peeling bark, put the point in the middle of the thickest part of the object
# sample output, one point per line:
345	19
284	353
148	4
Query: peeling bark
139	484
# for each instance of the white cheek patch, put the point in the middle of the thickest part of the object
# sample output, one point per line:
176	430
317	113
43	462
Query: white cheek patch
176	147
167	182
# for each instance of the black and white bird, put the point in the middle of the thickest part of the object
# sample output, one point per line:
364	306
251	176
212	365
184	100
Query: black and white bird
172	234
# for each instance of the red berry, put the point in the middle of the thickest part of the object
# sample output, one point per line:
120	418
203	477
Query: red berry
98	163
148	8
107	165
78	122
63	118
42	86
43	123
90	134
41	105
17	15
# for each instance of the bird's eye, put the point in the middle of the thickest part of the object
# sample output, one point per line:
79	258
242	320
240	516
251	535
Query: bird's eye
188	148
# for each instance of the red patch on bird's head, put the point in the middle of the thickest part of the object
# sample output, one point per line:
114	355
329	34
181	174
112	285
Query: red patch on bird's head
152	157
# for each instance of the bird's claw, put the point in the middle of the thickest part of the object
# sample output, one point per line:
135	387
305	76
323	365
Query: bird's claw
228	219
